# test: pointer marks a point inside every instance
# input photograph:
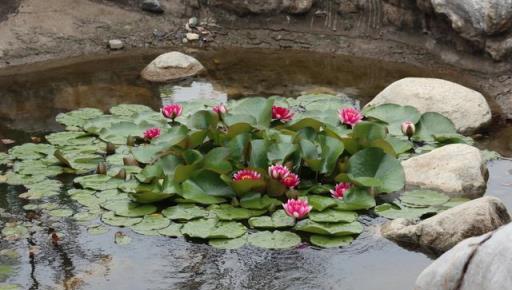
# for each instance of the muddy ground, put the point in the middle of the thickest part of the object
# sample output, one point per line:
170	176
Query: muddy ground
34	30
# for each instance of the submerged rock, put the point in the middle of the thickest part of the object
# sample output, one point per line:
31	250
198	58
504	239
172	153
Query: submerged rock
474	264
172	66
443	231
115	44
152	6
467	108
456	169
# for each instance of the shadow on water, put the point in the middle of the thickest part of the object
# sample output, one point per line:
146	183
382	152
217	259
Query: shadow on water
31	97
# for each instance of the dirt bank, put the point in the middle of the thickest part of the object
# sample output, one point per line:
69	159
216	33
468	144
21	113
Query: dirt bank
34	30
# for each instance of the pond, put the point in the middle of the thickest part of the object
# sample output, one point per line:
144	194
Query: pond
31	96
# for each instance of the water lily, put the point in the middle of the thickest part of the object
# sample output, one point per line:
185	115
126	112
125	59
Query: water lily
172	111
220	109
350	116
408	128
278	171
340	189
152	133
297	208
281	114
291	180
246	174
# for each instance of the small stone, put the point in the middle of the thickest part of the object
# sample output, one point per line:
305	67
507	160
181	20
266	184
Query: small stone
184	40
193	22
115	44
192	36
152	6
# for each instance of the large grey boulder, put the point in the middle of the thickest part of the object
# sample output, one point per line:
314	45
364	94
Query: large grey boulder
243	7
444	230
479	263
172	66
467	108
473	19
456	169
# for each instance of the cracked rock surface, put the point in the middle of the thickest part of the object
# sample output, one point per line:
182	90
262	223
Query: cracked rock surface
478	263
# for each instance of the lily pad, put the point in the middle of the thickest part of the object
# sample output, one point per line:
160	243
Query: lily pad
78	118
333	216
213	229
42	189
98	182
391	211
97	229
151	222
330	242
279	219
274	240
129	109
119	221
229	244
129	209
173	230
320	203
14	231
226	212
184	212
332	229
61	212
423	198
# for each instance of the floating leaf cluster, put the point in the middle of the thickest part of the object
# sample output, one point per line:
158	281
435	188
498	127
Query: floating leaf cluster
181	180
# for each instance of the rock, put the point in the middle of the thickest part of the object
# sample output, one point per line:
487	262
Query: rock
192	36
444	230
474	18
474	264
243	7
172	66
467	108
115	44
456	169
152	6
193	22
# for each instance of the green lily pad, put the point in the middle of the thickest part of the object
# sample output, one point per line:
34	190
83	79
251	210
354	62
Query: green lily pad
455	201
227	212
257	201
333	216
332	229
85	216
320	203
78	118
14	231
68	138
61	212
173	230
279	219
330	242
98	182
42	189
97	229
431	124
18	179
423	198
274	240
151	222
119	221
129	109
31	151
129	209
184	212
213	229
229	244
393	212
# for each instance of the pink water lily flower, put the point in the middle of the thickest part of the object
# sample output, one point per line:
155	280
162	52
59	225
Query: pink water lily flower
220	109
291	180
172	111
278	171
340	189
350	116
297	208
246	174
408	128
281	114
152	133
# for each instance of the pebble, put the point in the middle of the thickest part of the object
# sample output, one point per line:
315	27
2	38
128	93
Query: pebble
192	36
115	44
193	22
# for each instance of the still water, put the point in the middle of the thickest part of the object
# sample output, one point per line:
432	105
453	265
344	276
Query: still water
31	97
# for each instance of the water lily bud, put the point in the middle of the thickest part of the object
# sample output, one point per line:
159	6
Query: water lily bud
131	140
111	149
121	174
102	168
408	129
130	161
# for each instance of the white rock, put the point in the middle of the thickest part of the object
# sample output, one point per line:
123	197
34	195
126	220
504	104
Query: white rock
192	36
479	263
467	108
172	66
115	44
444	230
457	169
